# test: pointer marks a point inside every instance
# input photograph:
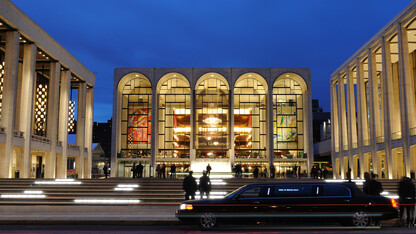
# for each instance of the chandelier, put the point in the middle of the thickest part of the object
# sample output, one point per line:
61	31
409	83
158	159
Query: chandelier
212	120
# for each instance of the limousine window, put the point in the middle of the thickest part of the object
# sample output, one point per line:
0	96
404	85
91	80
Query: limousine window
292	191
335	190
250	193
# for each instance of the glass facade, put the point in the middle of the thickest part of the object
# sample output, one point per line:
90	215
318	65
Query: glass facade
136	119
212	116
287	119
250	113
174	118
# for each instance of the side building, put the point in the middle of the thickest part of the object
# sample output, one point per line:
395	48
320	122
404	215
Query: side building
373	104
222	116
37	76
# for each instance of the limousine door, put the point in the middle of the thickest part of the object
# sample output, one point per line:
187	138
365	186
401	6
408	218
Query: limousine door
247	205
333	201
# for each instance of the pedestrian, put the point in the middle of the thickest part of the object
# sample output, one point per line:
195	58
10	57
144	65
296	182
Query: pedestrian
272	171
204	185
325	172
158	171
209	170
134	170
163	171
140	170
349	174
173	171
256	172
407	200
265	172
105	169
190	186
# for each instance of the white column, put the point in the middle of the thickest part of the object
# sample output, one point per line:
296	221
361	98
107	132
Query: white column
88	131
342	124
334	128
63	122
231	127
52	121
26	107
9	100
352	125
407	98
193	127
115	128
307	128
388	104
270	136
374	109
153	129
361	112
82	101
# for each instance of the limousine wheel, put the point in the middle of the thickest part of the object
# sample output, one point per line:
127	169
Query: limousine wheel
360	219
207	221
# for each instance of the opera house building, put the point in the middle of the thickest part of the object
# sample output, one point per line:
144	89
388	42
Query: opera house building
192	117
41	86
373	108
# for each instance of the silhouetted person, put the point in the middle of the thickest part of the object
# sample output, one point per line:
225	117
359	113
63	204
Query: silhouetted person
190	186
134	170
407	199
209	170
204	185
349	174
140	170
325	172
105	169
163	171
256	172
272	171
371	186
172	171
158	171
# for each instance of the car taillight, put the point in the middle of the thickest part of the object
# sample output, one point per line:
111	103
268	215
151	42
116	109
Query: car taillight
393	203
186	207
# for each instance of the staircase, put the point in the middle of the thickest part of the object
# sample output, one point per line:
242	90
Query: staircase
121	190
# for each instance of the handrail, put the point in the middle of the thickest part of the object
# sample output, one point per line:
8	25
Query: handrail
74	147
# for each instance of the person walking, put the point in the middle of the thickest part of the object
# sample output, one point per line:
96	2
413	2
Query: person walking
371	186
209	170
140	170
407	200
158	171
134	170
256	172
163	171
190	186
173	171
105	169
204	185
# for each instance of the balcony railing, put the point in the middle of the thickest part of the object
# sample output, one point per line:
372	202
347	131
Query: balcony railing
2	130
40	139
18	133
86	149
396	135
59	143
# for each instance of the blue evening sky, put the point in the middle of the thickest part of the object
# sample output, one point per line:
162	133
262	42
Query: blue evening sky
108	34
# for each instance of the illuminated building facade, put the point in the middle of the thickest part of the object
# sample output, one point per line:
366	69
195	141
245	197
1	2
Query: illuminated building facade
373	104
192	117
37	110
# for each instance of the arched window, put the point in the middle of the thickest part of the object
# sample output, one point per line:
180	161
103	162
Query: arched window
136	118
250	131
212	116
174	116
288	118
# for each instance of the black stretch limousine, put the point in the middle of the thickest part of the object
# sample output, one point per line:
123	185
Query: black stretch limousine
271	202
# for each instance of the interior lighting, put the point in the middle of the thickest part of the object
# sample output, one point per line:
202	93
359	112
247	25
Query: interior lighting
357	182
59	182
123	189
217	182
128	185
23	196
106	201
212	120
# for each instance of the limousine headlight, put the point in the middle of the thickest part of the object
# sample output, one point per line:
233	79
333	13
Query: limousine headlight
186	207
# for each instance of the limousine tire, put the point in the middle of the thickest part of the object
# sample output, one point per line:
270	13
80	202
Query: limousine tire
207	221
361	219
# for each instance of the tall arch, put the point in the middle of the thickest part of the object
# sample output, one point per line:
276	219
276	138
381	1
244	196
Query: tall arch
250	114
174	111
212	116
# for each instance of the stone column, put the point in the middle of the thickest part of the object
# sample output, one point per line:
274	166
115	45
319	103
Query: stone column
192	133
52	121
116	127
63	122
9	100
26	107
407	98
89	112
334	128
388	104
270	136
343	123
374	109
231	127
153	129
80	141
308	127
361	112
352	124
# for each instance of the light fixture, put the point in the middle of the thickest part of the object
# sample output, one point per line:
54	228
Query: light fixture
106	201
212	120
